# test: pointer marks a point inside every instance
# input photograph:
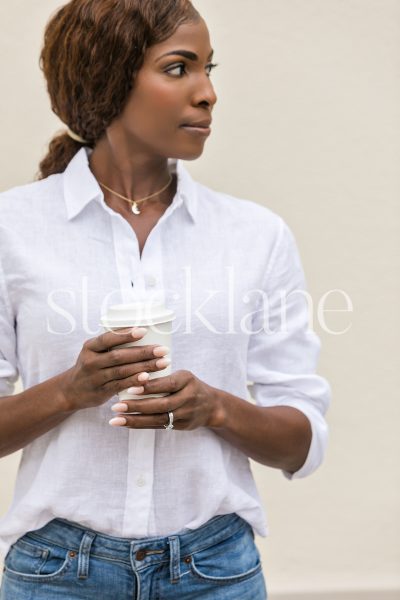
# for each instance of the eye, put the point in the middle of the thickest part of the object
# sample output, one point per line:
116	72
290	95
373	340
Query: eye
175	68
212	66
181	66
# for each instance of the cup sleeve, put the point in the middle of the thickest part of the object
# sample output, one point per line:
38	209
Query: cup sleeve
8	343
283	349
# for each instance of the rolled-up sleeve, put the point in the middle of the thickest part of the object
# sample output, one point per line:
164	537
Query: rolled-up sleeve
8	343
283	349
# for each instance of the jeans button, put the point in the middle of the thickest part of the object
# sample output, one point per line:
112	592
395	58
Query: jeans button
140	554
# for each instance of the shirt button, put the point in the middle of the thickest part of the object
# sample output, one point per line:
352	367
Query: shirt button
150	280
140	481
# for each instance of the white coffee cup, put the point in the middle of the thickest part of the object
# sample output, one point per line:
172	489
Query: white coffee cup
156	318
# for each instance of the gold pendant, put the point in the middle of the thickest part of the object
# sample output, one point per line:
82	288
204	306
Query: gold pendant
135	209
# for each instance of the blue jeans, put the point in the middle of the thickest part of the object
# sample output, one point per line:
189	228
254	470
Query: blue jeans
217	561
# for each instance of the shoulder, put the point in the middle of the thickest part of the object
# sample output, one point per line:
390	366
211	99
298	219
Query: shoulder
25	211
245	216
30	197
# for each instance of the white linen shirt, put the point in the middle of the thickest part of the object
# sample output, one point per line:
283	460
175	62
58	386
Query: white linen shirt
213	258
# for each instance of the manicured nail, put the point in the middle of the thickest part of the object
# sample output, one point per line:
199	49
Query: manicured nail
117	421
138	332
163	362
161	351
135	390
119	407
143	376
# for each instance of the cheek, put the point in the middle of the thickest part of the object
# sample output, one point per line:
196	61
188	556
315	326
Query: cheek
163	103
153	112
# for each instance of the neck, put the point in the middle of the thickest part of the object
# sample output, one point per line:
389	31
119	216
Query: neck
134	175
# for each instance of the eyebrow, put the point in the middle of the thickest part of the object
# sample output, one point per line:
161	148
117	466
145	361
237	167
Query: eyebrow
185	54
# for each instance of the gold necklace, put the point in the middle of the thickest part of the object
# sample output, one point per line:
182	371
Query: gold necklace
134	203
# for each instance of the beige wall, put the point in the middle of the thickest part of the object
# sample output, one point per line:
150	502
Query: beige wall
307	123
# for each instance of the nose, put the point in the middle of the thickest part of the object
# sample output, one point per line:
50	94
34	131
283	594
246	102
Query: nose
205	92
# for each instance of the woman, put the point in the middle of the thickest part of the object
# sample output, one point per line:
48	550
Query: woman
120	507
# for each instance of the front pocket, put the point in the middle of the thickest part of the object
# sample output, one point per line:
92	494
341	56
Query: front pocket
34	560
233	560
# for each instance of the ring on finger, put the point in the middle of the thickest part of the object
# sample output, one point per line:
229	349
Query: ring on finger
170	424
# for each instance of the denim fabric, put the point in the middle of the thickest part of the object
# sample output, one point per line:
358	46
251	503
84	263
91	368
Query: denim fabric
217	561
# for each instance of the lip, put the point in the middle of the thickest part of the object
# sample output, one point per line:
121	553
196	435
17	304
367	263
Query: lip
200	123
197	130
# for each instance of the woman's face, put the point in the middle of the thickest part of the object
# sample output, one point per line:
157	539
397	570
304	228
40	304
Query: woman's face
168	92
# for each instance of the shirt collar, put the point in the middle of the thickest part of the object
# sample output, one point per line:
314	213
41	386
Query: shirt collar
81	186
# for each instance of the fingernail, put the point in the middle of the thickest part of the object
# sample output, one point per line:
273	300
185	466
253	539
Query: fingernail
117	421
161	351
119	407
143	376
138	332
135	390
163	362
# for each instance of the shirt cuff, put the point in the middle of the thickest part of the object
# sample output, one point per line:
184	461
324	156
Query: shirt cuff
319	440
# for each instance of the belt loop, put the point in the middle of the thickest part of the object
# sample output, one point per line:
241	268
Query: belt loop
174	558
84	553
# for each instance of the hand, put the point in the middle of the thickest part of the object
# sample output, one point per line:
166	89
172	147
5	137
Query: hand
193	402
101	371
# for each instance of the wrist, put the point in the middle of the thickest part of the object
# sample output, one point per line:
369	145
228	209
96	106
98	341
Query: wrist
63	396
218	413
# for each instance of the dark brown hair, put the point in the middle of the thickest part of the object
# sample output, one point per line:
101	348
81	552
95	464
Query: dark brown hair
92	50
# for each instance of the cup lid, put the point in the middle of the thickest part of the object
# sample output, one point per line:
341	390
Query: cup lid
137	314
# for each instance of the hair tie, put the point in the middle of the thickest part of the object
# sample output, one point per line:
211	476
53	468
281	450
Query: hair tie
75	136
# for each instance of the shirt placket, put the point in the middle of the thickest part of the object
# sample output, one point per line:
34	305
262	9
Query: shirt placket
146	276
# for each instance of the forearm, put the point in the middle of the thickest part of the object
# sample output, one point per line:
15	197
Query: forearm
277	436
28	415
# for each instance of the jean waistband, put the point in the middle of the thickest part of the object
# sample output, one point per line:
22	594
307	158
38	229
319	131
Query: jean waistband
77	537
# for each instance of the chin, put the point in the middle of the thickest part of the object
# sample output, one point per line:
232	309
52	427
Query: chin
188	154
